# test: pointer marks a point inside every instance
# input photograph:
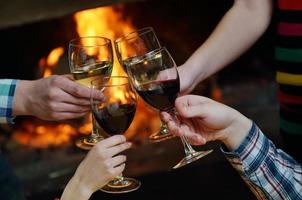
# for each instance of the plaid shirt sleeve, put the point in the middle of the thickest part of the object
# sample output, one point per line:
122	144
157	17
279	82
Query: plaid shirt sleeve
269	172
7	91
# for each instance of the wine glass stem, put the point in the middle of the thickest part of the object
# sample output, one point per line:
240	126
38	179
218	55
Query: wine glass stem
188	148
94	131
189	151
163	127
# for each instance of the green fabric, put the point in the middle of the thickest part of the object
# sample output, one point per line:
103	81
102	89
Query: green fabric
291	127
289	55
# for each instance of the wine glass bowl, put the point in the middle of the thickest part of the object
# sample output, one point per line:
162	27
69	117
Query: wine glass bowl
131	47
113	102
90	57
155	78
135	44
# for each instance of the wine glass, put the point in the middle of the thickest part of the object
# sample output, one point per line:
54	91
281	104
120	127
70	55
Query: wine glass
155	78
90	57
136	44
114	113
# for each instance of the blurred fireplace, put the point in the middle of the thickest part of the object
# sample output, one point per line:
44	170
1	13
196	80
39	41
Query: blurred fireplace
27	44
32	48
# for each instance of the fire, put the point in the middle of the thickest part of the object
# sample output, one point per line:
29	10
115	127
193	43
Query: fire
109	22
106	22
43	136
47	64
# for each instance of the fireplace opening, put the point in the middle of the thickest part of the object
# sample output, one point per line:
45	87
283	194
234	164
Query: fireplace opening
43	154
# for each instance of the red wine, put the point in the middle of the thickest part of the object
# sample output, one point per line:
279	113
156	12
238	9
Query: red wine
160	94
115	118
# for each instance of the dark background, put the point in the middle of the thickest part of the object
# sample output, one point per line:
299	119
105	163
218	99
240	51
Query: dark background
182	26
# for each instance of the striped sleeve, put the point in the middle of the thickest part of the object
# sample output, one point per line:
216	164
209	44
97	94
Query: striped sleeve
7	92
269	172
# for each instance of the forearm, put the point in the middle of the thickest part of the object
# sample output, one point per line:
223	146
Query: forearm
269	172
74	190
238	30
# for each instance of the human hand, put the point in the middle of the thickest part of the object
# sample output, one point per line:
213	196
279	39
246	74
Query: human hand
100	166
56	97
186	79
201	119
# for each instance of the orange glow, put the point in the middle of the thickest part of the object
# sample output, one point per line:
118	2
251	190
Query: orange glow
42	136
109	22
54	55
47	64
105	22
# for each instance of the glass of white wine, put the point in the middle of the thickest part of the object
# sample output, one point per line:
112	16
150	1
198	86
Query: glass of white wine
89	58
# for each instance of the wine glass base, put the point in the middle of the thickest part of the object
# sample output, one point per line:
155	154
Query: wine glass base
158	137
191	158
87	142
127	185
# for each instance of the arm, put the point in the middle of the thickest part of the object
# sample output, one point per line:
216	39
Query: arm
238	30
52	98
269	172
100	166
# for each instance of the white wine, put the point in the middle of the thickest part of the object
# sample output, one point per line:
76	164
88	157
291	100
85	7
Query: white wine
87	73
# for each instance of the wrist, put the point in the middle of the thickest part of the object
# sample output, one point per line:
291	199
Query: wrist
235	135
77	190
188	77
21	97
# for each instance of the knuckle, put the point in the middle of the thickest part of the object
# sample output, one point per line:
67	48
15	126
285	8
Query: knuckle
100	152
107	164
55	80
77	91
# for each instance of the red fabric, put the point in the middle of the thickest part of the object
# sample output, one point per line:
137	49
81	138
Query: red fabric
290	4
289	99
290	29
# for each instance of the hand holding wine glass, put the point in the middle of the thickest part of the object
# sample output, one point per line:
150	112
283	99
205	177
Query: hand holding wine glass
131	47
114	114
156	80
89	58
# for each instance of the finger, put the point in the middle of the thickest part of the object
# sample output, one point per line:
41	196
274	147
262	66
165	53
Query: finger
191	106
112	141
73	108
118	169
69	76
75	89
98	94
193	138
173	128
65	115
118	148
117	160
59	95
166	117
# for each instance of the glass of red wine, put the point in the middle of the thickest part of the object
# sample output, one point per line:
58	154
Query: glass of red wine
114	112
155	78
90	57
133	45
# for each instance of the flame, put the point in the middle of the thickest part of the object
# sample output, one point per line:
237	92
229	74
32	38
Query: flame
47	64
106	22
43	136
109	22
